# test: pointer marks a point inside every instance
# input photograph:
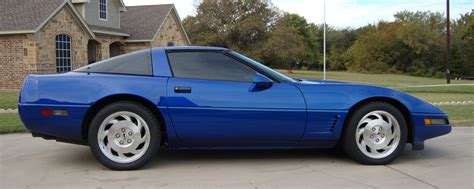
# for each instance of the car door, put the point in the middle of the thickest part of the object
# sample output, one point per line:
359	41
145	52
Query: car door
213	100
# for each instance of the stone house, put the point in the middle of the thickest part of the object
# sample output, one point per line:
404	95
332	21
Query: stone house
53	36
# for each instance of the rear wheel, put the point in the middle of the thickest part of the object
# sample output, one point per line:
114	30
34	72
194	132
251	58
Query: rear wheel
124	136
375	134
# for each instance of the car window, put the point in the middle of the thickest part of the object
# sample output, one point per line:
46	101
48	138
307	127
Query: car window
263	69
136	63
210	66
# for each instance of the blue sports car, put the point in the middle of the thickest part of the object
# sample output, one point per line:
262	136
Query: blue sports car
127	107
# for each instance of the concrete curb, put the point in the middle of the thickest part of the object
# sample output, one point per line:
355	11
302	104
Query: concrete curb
8	110
455	103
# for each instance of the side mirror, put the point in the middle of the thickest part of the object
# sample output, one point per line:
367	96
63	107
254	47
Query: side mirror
261	82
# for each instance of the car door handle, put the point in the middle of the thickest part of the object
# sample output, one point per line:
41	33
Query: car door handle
180	89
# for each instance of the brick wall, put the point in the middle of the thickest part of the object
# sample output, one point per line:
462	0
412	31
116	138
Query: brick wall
105	41
135	46
17	59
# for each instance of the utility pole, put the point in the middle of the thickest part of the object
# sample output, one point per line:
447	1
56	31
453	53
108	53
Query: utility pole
324	41
448	45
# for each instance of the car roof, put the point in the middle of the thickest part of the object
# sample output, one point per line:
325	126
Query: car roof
195	48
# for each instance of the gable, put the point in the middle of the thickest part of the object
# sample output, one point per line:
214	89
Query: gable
75	15
171	31
144	23
31	16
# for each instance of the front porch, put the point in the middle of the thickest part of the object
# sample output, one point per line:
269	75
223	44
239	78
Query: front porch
104	47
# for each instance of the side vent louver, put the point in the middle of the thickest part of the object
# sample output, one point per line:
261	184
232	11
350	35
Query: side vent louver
334	123
323	123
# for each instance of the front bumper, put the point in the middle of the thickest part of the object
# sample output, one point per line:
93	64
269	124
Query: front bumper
422	132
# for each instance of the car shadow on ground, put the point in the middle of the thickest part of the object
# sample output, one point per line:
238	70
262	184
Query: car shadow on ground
430	152
170	158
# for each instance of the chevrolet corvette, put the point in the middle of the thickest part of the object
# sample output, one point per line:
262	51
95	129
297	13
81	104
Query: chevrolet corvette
127	107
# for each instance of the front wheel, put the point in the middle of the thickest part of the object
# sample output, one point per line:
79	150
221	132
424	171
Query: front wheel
375	134
124	136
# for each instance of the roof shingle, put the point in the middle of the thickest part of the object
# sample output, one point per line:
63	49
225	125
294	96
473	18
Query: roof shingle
16	15
107	29
142	22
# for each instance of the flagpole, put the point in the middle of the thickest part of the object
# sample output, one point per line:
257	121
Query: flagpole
448	45
324	41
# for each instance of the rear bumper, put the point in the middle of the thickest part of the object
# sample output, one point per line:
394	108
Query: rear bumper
424	132
54	126
48	137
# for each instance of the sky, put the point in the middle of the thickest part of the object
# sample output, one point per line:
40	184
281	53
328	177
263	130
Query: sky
339	13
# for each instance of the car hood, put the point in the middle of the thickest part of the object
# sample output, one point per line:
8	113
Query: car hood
336	95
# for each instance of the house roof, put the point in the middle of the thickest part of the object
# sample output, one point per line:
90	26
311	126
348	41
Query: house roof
29	16
24	15
143	22
107	30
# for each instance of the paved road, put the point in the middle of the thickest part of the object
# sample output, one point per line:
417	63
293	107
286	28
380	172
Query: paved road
446	162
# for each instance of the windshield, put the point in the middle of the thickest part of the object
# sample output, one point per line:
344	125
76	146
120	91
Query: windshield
268	71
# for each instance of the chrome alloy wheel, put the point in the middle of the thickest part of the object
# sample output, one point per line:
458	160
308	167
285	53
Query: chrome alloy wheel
378	134
123	137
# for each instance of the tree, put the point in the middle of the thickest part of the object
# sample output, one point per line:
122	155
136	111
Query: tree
284	47
422	43
412	44
463	45
368	53
309	33
338	42
241	25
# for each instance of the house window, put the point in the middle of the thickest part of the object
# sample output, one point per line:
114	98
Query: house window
63	53
103	9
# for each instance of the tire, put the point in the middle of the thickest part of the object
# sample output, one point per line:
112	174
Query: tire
375	134
124	136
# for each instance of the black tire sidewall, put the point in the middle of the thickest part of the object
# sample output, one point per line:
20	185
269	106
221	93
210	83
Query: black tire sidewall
349	143
138	109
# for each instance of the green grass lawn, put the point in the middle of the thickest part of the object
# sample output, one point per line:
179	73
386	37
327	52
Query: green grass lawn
459	115
8	100
11	123
389	80
439	89
444	97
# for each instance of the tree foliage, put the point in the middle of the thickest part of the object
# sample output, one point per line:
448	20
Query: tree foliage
241	25
413	44
285	46
463	45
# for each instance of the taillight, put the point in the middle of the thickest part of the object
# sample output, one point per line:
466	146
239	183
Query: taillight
47	112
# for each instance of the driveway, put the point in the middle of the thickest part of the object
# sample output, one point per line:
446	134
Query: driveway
446	162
